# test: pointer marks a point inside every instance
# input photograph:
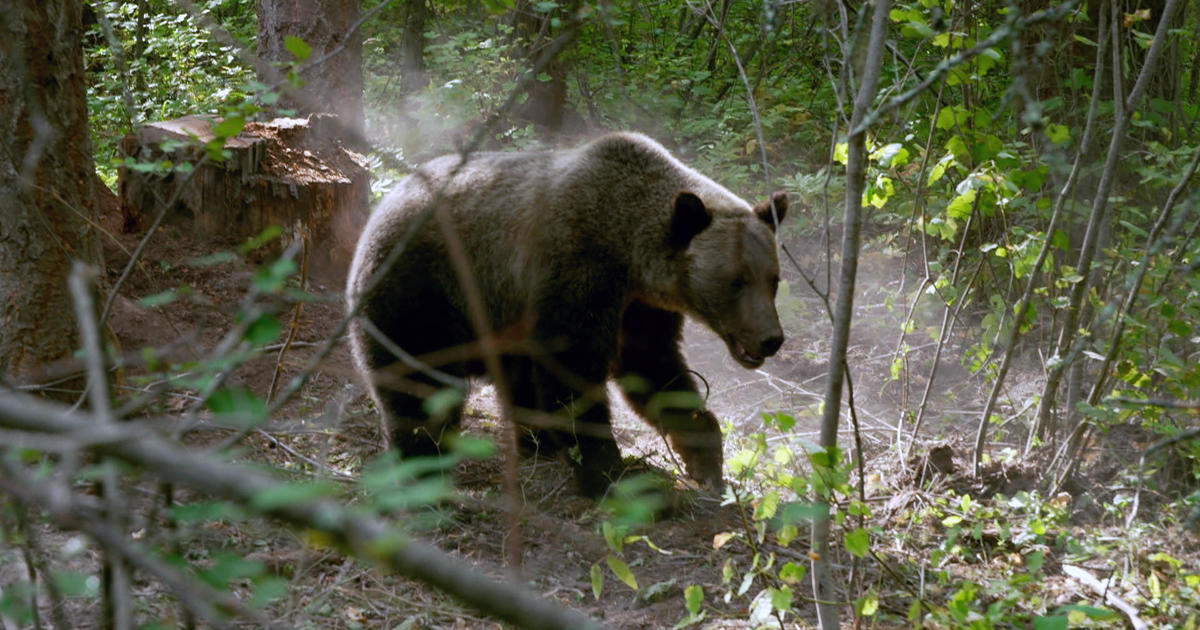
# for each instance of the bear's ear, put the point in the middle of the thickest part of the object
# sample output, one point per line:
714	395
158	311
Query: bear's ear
689	218
763	209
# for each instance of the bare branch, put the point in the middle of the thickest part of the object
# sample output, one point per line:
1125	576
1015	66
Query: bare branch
366	536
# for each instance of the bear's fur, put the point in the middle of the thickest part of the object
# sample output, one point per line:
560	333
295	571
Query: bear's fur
585	261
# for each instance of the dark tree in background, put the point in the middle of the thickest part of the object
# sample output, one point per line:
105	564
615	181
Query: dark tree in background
333	73
412	61
546	105
47	200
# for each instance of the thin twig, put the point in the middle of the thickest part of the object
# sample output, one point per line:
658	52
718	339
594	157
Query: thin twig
117	594
294	326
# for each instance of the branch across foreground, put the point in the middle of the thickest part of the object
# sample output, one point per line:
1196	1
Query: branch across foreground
365	536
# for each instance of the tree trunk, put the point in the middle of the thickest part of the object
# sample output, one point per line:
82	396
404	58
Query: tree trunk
546	106
412	60
46	179
333	72
824	589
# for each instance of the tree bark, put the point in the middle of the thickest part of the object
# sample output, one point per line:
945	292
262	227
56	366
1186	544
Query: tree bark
46	183
412	61
333	72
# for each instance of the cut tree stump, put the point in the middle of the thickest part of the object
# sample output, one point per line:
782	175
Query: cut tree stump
290	172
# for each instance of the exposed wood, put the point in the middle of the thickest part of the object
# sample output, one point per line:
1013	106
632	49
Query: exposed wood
291	172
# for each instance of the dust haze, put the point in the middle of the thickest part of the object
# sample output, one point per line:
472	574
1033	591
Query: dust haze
428	124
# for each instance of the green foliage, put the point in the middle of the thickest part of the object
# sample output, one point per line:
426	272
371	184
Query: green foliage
166	65
970	169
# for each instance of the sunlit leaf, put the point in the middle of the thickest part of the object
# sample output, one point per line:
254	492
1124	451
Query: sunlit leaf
297	47
621	570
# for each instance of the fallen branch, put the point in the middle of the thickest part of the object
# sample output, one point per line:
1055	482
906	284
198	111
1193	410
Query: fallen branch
1102	589
365	536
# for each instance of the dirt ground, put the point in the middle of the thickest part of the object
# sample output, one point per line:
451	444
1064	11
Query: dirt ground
328	429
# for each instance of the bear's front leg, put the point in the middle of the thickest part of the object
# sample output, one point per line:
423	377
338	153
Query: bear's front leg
656	382
570	376
579	425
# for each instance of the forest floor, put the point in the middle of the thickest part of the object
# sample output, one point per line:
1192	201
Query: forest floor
330	430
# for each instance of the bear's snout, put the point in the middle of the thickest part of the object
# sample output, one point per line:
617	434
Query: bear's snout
771	345
752	355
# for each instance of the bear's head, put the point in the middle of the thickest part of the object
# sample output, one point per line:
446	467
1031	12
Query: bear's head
732	272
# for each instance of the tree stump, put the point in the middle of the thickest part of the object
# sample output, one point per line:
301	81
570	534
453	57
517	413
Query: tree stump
290	172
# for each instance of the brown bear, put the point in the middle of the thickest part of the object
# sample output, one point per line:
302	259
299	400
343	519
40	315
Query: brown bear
587	258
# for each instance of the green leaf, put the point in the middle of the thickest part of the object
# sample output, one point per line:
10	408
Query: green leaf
945	119
597	580
1034	561
841	153
270	233
1091	612
273	277
939	169
218	258
297	47
1057	622
229	567
156	300
496	7
442	401
784	422
268	589
1058	134
793	573
858	542
621	570
960	206
472	447
781	599
693	597
291	494
891	155
264	330
206	511
237	403
613	536
868	605
767	506
73	584
959	148
787	534
229	127
1061	240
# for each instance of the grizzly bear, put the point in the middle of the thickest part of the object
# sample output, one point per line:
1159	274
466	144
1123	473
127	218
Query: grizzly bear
585	261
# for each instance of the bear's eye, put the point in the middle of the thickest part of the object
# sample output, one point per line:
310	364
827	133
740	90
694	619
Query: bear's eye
738	284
